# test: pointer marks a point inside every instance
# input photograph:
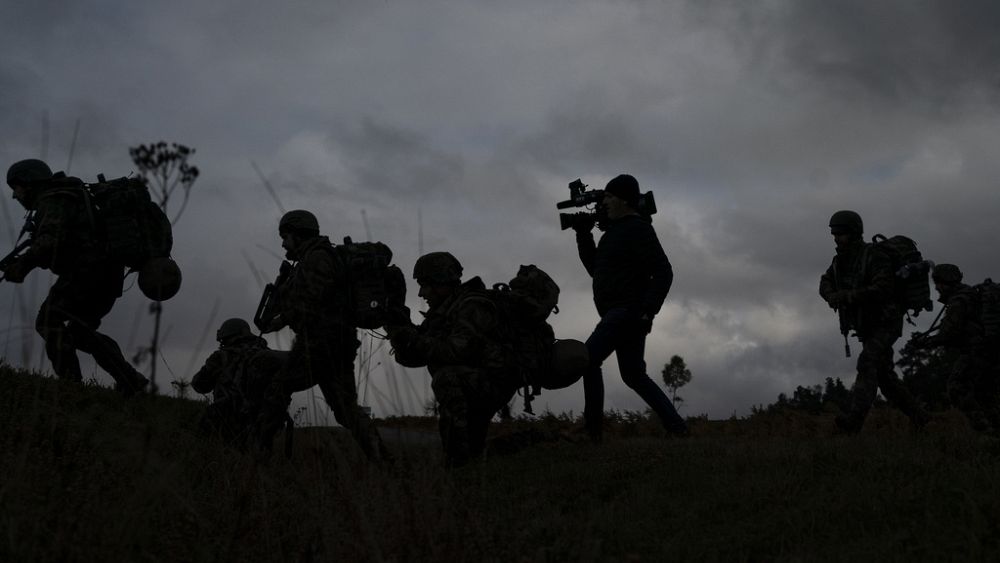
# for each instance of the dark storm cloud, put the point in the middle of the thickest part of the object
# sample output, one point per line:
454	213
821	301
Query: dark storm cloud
930	55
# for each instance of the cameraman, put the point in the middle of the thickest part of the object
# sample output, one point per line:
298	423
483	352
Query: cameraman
631	279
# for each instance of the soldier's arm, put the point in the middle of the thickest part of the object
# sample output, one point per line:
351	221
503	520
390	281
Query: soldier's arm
587	248
304	298
208	376
951	330
661	272
828	285
463	344
54	220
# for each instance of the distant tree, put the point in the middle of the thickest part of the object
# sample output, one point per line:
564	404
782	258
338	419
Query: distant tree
813	398
676	375
835	392
925	375
165	169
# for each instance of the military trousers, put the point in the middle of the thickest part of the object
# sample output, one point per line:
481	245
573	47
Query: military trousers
876	371
323	357
468	398
973	387
621	332
70	316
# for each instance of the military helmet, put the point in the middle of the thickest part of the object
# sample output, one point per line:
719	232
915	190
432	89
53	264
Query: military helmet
232	329
437	268
160	278
946	273
299	220
28	172
846	222
570	360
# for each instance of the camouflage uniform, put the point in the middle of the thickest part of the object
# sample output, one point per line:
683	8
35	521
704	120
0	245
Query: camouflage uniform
238	375
859	284
972	387
313	303
460	345
87	287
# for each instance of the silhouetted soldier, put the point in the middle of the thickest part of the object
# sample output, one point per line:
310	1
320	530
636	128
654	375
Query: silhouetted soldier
238	375
972	383
314	303
632	277
859	285
88	282
461	347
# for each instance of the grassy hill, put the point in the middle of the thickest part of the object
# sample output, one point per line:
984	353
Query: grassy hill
88	476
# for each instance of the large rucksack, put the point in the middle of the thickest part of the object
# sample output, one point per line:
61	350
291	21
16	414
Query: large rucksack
523	307
989	310
912	289
130	226
375	285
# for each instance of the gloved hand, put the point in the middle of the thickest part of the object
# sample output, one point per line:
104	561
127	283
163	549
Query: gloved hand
17	270
584	225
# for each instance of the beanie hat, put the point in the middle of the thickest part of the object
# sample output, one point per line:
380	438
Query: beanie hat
625	187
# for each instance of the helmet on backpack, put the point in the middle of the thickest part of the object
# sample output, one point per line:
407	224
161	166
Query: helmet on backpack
28	172
299	220
570	360
846	222
232	329
946	273
437	268
160	278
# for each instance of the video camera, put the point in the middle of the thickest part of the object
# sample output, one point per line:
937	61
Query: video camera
580	197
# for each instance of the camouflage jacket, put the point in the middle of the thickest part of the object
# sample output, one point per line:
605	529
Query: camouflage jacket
63	239
463	330
629	267
865	274
222	370
315	295
961	328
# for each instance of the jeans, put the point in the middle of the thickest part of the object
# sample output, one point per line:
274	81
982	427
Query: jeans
621	331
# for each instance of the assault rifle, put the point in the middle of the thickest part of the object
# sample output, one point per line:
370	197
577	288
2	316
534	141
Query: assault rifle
267	309
28	228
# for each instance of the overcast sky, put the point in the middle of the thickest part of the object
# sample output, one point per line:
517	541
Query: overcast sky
456	126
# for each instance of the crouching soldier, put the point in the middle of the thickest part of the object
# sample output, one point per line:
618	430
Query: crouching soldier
88	282
238	375
972	385
313	301
459	344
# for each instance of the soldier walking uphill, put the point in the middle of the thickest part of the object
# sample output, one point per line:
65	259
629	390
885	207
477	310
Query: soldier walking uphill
237	374
972	383
88	282
632	276
314	302
859	286
459	342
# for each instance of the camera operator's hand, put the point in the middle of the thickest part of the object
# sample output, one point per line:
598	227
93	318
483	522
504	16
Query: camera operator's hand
584	225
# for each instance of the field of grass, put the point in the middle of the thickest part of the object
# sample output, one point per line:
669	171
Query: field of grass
88	476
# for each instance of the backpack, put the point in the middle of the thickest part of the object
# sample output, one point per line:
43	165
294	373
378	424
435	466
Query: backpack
912	281
523	307
131	228
989	310
374	284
